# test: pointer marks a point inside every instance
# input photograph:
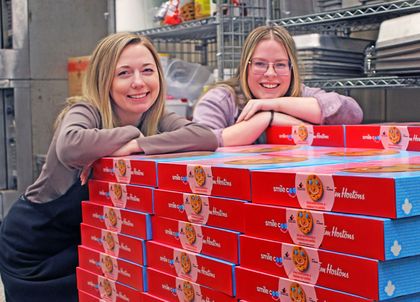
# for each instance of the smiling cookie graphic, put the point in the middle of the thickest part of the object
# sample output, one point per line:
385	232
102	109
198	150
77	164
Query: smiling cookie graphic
188	291
304	221
300	258
296	292
314	187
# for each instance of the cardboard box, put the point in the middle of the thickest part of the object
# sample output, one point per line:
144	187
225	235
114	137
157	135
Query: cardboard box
76	70
386	188
151	298
114	244
113	268
141	169
218	212
85	297
124	196
361	276
226	177
397	136
257	286
175	289
200	269
378	238
103	288
310	135
136	224
215	242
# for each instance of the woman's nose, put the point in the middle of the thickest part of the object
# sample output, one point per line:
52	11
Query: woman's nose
137	80
270	70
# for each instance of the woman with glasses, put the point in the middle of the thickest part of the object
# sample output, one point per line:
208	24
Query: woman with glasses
267	91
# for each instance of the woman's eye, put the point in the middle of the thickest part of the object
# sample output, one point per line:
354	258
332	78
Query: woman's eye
260	64
280	66
148	71
122	72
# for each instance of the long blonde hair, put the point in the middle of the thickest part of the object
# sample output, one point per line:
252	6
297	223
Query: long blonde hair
239	85
99	76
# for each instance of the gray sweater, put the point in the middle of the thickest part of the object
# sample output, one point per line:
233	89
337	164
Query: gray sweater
79	141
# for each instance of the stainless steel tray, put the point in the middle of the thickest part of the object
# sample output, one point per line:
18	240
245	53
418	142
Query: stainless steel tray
327	42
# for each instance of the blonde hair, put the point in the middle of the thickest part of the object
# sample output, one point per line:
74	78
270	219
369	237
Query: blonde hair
239	84
99	76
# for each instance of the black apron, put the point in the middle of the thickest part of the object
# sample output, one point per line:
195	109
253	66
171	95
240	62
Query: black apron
38	248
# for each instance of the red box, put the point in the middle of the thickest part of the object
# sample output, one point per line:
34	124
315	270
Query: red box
215	242
150	298
85	297
106	289
378	238
311	135
386	188
258	149
124	196
400	136
175	289
338	271
118	220
219	212
204	270
114	244
227	177
140	169
257	286
112	268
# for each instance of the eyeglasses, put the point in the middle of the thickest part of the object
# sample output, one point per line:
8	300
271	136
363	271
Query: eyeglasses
260	67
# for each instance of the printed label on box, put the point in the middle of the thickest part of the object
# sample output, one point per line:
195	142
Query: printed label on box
185	265
315	191
200	179
395	137
191	236
305	227
290	291
109	266
110	243
187	291
197	208
122	170
118	194
300	264
107	289
303	134
113	220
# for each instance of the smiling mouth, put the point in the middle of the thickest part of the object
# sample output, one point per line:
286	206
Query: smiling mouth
269	86
138	96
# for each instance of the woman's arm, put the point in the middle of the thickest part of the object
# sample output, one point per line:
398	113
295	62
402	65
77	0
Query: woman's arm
303	108
80	141
315	106
246	132
178	135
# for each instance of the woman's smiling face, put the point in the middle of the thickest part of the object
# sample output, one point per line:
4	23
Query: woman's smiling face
272	83
135	86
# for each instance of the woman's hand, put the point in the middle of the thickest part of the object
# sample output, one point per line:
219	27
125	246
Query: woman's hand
256	105
129	148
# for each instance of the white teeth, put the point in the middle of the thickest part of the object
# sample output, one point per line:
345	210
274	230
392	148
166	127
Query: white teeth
270	85
138	96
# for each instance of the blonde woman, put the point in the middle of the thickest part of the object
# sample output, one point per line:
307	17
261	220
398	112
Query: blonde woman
267	91
121	112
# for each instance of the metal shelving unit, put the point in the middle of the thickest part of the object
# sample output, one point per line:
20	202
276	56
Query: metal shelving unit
343	22
214	41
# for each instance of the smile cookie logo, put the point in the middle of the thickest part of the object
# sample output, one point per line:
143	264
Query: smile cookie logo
314	187
304	222
302	133
296	292
121	167
394	135
190	233
185	263
300	258
196	203
199	175
188	291
117	190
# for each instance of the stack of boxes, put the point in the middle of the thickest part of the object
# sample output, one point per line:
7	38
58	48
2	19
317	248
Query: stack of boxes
289	222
